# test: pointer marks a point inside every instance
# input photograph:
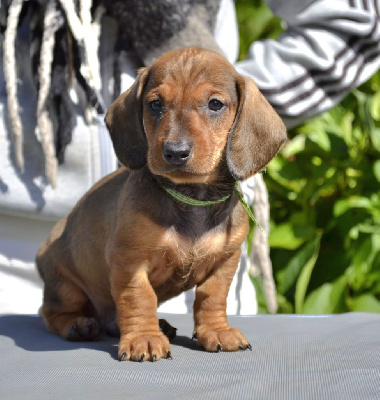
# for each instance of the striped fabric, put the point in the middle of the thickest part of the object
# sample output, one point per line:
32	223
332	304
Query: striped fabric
328	48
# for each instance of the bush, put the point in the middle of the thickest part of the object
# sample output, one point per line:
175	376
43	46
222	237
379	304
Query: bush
324	192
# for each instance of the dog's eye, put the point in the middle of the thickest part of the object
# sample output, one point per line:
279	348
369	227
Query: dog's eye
215	105
156	105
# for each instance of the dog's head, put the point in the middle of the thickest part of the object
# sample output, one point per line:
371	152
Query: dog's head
189	112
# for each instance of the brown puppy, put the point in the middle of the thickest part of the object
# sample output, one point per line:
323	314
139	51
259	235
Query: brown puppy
188	123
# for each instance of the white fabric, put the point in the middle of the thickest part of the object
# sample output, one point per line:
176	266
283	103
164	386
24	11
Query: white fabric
20	285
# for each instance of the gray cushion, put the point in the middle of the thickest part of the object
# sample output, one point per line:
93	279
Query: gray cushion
334	357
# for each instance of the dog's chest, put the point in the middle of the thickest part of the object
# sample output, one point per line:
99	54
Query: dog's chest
184	261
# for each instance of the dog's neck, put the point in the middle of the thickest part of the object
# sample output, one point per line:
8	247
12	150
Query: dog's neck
192	221
218	193
215	192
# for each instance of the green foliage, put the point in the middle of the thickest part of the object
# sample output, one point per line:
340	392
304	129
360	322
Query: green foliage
324	191
325	208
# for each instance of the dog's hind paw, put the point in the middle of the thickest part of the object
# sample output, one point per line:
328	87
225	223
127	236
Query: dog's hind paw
167	329
83	329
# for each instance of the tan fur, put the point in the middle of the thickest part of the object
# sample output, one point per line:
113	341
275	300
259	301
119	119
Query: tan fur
127	246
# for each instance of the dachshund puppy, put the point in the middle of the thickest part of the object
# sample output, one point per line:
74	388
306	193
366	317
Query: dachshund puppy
189	126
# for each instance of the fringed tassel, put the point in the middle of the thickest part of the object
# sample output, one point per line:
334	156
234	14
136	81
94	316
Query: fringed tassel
91	41
36	23
10	71
117	69
93	58
53	52
260	247
75	23
84	31
91	45
59	92
52	22
90	93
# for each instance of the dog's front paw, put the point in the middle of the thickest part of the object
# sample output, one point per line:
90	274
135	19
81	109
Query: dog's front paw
144	347
227	339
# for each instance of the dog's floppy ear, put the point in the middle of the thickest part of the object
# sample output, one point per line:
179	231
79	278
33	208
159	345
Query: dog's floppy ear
124	122
257	133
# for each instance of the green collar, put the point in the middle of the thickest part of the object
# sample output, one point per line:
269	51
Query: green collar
181	198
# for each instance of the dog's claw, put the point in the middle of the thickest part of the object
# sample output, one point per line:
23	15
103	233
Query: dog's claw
241	347
169	355
249	346
219	348
142	358
154	358
73	333
123	356
194	337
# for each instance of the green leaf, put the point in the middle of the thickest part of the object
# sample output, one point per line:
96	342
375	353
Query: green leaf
342	206
304	278
337	296
327	299
376	169
375	278
258	283
284	305
283	236
375	107
287	174
318	300
364	256
375	137
346	125
294	146
292	234
288	276
365	303
363	262
321	139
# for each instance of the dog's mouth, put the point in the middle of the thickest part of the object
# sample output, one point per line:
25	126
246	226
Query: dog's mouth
185	174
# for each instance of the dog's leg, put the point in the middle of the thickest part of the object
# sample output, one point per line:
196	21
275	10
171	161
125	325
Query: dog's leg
210	317
136	304
64	312
66	309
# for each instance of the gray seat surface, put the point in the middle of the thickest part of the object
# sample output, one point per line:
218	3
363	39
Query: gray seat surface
292	357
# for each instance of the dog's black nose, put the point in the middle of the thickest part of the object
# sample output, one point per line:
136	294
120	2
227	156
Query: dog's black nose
177	153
